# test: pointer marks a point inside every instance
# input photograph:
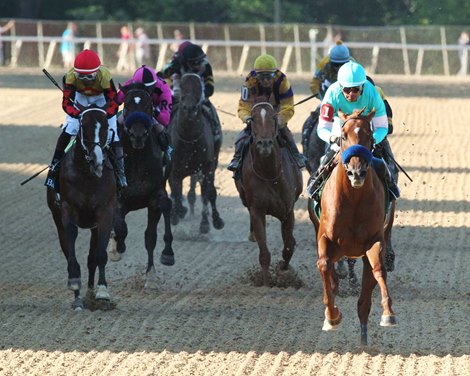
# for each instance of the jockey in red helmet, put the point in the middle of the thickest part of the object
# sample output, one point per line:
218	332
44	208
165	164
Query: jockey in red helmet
88	82
161	98
190	58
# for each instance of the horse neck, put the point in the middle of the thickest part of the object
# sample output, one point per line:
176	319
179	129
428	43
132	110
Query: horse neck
267	168
189	129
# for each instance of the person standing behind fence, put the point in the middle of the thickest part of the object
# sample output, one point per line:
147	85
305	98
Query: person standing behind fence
124	51
4	29
142	47
67	47
179	37
464	41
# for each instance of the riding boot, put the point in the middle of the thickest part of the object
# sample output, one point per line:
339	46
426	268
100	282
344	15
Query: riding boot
384	173
292	146
321	174
240	143
163	139
59	153
307	130
214	121
119	165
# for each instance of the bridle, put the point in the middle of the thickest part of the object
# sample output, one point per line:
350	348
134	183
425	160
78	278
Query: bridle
109	140
356	150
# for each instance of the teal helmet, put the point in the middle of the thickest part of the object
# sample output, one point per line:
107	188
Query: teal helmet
351	74
339	53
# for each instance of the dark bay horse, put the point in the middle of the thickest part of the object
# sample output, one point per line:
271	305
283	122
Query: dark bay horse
353	223
87	200
146	181
270	184
195	153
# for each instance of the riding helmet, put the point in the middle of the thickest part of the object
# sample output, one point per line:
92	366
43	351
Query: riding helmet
87	61
265	63
351	74
339	53
192	52
146	75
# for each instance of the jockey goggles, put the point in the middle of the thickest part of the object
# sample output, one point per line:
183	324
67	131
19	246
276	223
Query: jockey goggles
265	75
355	89
89	76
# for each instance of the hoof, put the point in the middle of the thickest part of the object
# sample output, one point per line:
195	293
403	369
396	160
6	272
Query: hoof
251	237
388	321
174	220
114	255
218	223
102	293
77	304
74	284
167	260
331	325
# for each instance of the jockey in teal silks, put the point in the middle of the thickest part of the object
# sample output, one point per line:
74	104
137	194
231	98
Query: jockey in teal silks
352	92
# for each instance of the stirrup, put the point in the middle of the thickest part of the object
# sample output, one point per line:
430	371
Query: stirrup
234	165
300	160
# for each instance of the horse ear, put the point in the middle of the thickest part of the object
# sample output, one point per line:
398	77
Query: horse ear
362	110
371	114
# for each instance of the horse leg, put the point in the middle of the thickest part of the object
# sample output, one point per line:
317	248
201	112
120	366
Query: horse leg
204	225
341	269
390	253
287	229
325	266
380	274
352	277
365	299
217	222
119	237
103	231
258	221
167	257
178	211
192	194
153	216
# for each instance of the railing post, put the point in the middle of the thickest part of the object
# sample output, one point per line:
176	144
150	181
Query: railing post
445	57
406	60
312	34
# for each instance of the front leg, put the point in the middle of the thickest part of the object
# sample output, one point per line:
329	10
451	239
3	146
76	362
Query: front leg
287	228
258	223
325	265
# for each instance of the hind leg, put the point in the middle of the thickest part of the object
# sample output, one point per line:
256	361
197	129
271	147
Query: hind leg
365	299
119	234
192	194
178	211
217	221
167	257
287	229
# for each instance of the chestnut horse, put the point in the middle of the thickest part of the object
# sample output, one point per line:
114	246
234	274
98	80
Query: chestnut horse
146	181
270	183
195	153
87	200
353	223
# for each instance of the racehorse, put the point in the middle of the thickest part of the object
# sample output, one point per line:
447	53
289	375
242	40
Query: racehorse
194	153
146	180
270	183
353	223
87	200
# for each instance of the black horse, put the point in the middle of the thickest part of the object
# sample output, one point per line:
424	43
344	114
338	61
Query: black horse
195	153
87	200
146	181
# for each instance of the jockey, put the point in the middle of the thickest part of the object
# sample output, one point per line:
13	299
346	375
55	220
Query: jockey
351	92
161	99
190	58
325	74
88	82
266	80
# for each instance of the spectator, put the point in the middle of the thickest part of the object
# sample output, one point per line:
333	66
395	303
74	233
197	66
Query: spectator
67	47
464	40
179	37
4	29
124	51
142	47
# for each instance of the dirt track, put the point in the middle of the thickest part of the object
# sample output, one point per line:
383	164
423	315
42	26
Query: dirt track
207	318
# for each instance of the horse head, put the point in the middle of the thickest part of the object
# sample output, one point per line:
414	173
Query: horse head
93	137
192	95
264	127
356	144
138	107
